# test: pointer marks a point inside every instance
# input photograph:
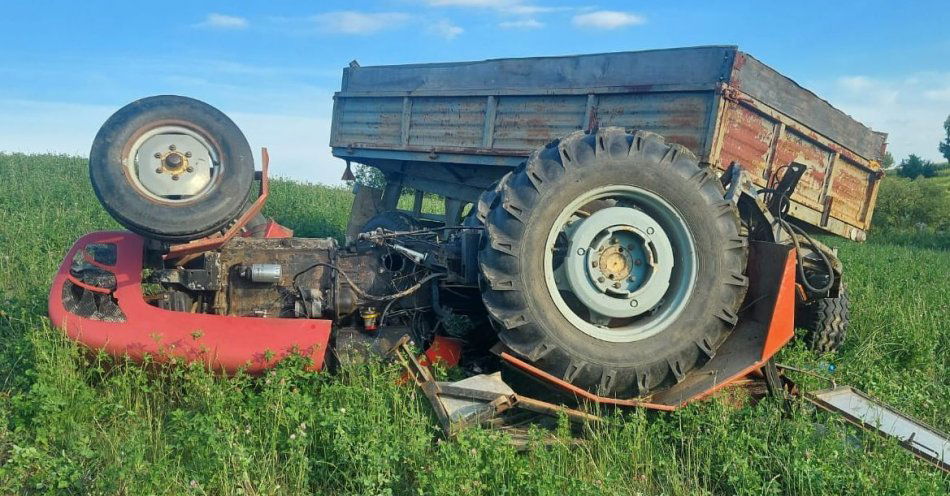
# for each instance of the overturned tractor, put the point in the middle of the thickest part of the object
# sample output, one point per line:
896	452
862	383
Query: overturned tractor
629	227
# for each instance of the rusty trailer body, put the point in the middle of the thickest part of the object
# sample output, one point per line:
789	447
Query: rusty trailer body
454	128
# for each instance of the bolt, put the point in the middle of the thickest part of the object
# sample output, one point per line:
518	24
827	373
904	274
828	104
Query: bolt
158	155
158	170
190	169
171	147
175	177
173	160
188	154
638	262
581	251
600	279
634	303
649	230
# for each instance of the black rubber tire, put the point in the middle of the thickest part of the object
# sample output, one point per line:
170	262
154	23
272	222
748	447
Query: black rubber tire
391	220
175	222
825	321
523	211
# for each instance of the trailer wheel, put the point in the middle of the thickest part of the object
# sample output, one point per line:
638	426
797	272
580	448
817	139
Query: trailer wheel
825	321
171	168
613	262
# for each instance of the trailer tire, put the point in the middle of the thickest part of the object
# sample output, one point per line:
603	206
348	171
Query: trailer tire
825	321
121	161
663	342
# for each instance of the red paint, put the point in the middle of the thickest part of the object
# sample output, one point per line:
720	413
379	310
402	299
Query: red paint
224	343
782	325
579	392
275	230
446	351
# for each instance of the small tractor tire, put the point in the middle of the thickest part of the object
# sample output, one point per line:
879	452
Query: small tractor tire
632	190
825	321
171	168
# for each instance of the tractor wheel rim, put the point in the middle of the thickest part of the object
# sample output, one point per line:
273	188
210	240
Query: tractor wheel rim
172	164
620	263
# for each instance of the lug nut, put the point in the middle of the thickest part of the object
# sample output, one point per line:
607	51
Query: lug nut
171	147
188	154
175	177
158	155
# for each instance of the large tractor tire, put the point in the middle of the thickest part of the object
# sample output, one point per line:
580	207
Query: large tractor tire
612	261
825	321
171	168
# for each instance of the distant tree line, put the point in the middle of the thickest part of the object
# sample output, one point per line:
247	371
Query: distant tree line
913	166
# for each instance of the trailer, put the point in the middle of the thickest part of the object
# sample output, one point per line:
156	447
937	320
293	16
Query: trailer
455	128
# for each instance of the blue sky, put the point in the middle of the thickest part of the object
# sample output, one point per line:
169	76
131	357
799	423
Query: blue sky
65	66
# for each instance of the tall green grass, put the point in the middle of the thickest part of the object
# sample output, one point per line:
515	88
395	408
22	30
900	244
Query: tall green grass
75	424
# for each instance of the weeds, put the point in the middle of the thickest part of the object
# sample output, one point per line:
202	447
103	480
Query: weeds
75	423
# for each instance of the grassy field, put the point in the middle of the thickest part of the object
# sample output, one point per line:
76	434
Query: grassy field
75	424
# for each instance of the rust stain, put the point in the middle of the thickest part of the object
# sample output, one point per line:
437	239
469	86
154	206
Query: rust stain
747	140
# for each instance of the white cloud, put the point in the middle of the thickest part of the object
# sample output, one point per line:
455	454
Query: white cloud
514	7
910	109
941	95
522	24
222	21
358	23
607	19
445	29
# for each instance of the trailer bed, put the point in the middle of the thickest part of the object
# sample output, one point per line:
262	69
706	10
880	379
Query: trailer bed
451	128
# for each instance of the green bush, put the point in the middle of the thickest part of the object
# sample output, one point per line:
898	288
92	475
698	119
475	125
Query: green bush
912	205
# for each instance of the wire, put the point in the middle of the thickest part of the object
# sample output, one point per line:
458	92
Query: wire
794	232
363	294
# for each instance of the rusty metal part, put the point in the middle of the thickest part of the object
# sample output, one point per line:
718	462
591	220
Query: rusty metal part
214	242
490	400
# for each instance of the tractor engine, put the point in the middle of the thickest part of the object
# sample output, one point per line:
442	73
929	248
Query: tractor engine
384	277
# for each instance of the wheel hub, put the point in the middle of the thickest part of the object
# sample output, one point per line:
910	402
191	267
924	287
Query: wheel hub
619	262
171	163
